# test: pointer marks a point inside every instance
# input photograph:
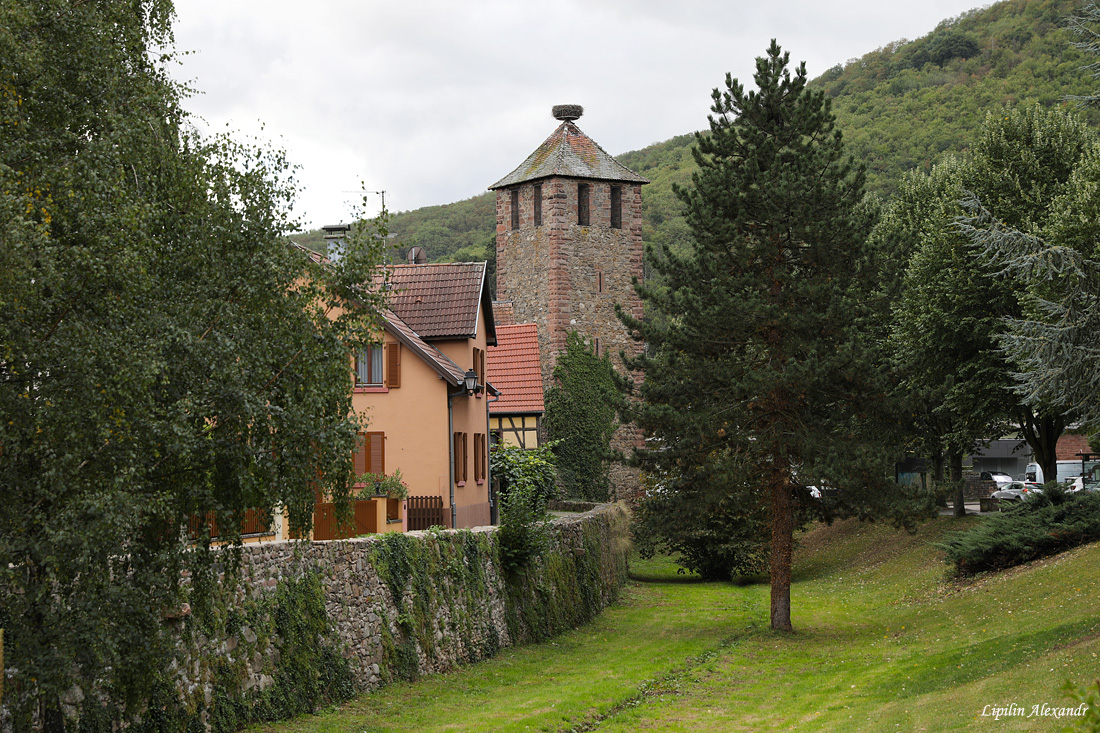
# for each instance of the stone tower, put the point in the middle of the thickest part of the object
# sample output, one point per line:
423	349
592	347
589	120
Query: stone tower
569	240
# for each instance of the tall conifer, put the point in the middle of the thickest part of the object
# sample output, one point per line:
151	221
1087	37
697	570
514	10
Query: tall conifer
755	380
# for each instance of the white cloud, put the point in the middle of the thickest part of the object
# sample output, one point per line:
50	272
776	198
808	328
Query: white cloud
434	100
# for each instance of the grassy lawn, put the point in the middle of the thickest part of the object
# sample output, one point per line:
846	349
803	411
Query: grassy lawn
883	642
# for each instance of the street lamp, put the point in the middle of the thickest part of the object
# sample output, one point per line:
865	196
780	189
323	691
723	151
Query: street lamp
471	382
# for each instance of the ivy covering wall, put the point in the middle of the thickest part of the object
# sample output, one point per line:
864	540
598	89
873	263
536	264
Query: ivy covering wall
313	623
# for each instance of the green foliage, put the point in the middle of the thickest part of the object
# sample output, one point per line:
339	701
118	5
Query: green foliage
528	483
392	485
524	529
756	371
290	628
580	418
163	352
1035	528
1053	339
715	534
1090	721
530	471
416	564
954	305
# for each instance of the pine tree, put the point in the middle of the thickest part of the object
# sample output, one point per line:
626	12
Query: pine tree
757	382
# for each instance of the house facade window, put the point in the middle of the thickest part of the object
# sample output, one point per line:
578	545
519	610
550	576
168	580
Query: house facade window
536	193
616	207
582	204
368	366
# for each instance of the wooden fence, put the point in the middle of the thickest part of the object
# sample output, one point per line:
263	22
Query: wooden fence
363	520
425	512
255	522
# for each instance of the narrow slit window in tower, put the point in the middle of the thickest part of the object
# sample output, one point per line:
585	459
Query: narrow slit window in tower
536	192
515	209
582	204
616	207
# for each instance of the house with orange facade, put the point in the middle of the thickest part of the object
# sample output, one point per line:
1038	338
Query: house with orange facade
424	393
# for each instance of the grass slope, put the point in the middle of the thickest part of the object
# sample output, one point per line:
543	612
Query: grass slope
883	642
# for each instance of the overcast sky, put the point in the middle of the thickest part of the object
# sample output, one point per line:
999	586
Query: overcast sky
433	101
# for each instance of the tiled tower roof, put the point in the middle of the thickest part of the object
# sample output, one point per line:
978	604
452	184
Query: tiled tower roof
570	153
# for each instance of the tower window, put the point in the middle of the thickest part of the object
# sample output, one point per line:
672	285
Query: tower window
616	207
582	204
515	208
599	281
536	192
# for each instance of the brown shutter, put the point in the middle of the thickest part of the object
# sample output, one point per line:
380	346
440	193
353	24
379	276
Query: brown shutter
464	470
458	457
376	453
479	456
359	458
393	365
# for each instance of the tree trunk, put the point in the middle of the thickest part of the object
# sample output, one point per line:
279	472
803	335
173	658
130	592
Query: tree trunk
956	461
781	551
1041	431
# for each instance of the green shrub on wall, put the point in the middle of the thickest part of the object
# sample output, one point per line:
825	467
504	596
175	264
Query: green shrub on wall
310	670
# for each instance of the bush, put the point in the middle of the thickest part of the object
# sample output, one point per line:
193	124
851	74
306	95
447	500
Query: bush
1050	523
527	486
716	535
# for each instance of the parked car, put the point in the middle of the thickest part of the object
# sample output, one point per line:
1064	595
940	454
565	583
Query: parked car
999	477
1079	483
1016	491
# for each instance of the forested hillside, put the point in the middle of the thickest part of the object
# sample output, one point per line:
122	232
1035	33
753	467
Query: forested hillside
899	107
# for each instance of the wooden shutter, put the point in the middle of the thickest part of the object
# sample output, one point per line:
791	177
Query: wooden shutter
479	365
460	457
375	453
393	365
479	456
359	459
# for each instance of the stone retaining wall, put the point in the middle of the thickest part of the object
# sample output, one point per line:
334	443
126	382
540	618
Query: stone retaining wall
404	605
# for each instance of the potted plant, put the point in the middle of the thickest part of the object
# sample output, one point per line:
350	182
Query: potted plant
392	486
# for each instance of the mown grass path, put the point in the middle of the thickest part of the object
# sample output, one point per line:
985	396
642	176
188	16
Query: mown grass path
883	642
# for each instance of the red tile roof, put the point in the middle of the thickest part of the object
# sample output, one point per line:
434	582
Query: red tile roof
513	368
435	358
442	300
